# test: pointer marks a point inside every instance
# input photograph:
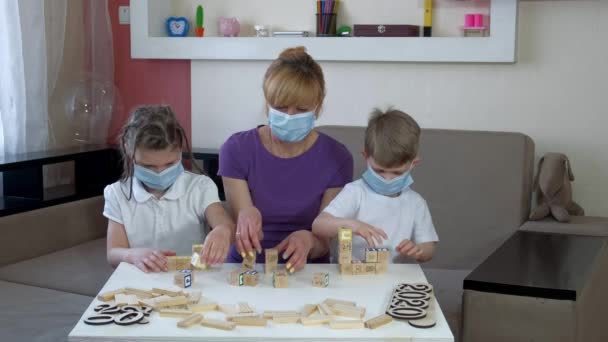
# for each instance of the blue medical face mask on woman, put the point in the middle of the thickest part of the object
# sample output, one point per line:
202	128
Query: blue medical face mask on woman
290	128
387	187
158	180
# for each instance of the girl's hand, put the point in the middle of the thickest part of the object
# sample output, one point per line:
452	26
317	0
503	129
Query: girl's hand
409	249
369	233
296	248
249	231
149	260
216	246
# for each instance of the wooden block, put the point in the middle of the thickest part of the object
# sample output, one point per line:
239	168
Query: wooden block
381	268
109	296
345	245
320	279
324	309
346	269
141	294
272	314
250	321
167	292
286	319
332	302
242	315
378	321
272	260
194	297
369	269
308	310
195	262
315	320
217	324
174	301
236	278
123	299
227	309
251	278
190	321
348	311
358	269
280	279
244	307
204	307
249	262
384	255
346	324
371	255
179	313
176	263
183	278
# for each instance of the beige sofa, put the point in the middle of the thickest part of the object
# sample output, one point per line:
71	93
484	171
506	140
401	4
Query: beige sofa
478	186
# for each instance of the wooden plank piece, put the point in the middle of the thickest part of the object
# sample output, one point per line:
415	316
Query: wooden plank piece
109	296
179	313
332	302
308	310
123	299
378	321
190	321
250	321
203	307
218	324
286	319
315	320
167	292
173	301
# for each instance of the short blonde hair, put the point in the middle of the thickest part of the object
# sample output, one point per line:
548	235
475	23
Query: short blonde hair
293	79
391	138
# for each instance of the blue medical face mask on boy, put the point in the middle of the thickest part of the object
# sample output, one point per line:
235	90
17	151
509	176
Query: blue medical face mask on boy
290	128
158	180
387	187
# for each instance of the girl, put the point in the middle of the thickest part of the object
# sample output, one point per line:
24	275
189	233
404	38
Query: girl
157	209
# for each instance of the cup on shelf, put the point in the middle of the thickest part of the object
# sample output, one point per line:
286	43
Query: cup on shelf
326	24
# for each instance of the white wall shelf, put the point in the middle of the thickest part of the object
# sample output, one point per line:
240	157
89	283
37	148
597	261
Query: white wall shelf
500	47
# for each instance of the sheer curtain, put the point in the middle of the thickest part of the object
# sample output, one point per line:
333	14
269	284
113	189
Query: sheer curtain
32	68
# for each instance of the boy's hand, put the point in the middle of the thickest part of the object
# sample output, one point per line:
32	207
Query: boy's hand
369	233
249	231
215	248
149	260
409	249
296	248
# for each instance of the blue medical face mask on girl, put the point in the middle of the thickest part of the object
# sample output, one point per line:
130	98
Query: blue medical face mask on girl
387	187
158	180
290	128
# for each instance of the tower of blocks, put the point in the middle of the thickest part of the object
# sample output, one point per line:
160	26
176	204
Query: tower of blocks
376	259
249	262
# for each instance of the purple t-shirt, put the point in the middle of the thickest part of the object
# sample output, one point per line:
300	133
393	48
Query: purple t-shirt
286	191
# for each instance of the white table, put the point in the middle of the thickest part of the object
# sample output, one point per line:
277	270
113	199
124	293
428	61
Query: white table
371	292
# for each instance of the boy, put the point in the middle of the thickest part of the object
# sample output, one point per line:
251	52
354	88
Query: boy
381	205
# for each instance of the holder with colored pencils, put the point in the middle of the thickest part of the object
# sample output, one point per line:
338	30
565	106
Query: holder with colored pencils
327	17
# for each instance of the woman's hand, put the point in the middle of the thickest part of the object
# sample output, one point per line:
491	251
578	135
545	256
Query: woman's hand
371	234
216	246
249	231
149	260
296	248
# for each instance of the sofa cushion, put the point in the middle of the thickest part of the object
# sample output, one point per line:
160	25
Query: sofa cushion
82	269
447	286
31	314
38	232
578	225
477	185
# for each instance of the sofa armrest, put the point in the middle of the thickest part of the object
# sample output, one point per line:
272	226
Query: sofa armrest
579	225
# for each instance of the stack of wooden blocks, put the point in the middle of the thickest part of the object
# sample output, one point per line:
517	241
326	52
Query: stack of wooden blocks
376	259
243	277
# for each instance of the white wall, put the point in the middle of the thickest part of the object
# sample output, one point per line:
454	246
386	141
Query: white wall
556	93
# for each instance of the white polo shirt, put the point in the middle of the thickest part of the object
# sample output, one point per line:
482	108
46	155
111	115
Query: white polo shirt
403	217
174	222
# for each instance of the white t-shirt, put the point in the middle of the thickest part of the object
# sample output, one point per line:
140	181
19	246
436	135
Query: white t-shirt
174	222
404	217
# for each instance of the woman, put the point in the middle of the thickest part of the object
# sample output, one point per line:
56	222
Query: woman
277	178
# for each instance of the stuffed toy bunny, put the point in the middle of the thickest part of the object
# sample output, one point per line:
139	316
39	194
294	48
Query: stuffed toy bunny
553	189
